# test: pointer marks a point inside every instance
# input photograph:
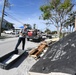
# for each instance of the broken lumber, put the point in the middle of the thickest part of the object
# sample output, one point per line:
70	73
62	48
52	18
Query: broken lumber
37	51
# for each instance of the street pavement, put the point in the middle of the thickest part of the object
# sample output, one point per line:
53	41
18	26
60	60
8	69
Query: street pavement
22	66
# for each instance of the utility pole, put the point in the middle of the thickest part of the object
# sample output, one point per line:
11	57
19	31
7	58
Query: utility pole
2	15
75	22
34	26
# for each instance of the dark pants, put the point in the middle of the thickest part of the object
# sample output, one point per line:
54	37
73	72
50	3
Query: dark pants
19	41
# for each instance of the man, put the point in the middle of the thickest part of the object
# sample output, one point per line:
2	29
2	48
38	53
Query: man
22	37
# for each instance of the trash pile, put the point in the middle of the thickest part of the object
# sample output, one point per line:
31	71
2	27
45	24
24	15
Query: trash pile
42	48
60	57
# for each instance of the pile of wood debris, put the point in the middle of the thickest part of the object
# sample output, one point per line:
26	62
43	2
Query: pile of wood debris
42	48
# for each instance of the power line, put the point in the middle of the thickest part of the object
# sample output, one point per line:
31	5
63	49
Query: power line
13	18
15	14
7	14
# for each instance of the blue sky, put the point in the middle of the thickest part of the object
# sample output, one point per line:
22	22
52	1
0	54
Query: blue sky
25	11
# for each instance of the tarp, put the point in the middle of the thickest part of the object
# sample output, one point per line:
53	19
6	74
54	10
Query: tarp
60	57
21	27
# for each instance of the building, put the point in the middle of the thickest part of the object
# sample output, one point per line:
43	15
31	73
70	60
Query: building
6	25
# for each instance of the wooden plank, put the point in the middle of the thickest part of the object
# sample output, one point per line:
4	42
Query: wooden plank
32	51
34	56
37	51
40	49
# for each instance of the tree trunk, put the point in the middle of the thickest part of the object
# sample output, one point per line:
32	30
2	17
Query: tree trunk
58	32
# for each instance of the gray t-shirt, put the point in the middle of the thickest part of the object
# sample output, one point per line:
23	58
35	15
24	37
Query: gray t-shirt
23	32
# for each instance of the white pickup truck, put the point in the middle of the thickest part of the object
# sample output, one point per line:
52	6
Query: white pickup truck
8	31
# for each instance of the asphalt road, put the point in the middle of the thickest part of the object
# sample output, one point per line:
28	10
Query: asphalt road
8	45
23	65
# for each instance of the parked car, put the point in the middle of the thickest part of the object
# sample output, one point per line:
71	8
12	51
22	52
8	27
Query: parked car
8	31
44	36
49	36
